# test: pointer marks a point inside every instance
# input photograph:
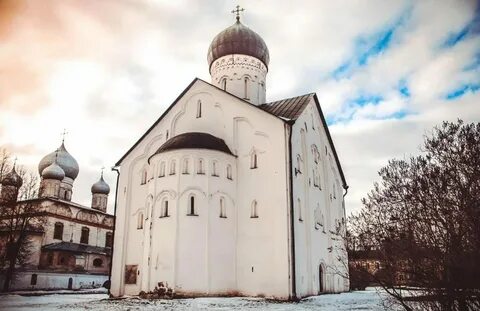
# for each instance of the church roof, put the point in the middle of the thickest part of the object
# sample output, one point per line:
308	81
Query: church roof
77	248
194	140
289	108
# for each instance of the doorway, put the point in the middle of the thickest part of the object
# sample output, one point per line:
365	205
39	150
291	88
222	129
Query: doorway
320	279
70	283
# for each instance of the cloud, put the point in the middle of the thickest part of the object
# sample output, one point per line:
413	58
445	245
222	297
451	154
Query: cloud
384	71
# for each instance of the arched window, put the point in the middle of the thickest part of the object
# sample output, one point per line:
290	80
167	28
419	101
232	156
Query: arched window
299	210
166	135
85	235
33	279
214	169
144	177
298	169
245	86
172	167
199	109
223	83
200	169
162	170
223	211
253	160
185	166
108	239
58	231
164	211
229	171
97	262
140	221
254	210
191	206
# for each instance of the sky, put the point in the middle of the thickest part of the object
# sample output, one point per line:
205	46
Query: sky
385	73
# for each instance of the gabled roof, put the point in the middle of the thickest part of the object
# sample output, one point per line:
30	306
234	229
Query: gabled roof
289	108
77	248
194	140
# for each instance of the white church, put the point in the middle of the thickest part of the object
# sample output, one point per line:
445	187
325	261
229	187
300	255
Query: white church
226	194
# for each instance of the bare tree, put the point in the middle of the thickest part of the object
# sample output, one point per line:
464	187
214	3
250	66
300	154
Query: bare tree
18	220
423	221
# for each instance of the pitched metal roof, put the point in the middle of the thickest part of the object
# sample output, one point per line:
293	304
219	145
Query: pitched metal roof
77	248
194	140
289	108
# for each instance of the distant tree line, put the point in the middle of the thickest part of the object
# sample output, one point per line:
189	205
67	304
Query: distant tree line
421	224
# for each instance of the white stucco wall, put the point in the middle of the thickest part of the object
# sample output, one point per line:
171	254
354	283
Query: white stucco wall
205	254
317	209
52	280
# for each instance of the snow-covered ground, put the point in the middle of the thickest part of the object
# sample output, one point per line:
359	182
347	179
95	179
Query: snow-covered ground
359	300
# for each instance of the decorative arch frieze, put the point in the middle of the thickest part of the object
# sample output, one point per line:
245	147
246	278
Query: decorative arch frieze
87	216
192	189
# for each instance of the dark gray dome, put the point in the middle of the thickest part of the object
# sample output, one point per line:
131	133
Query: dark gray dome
64	159
238	39
53	171
12	179
194	140
101	187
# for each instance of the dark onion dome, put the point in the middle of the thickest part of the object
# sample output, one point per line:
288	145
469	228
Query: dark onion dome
64	159
194	140
238	39
53	171
101	187
12	179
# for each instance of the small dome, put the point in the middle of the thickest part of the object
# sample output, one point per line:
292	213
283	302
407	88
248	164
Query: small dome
101	187
238	39
12	179
64	159
53	171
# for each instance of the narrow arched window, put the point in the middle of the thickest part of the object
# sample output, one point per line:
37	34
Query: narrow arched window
199	109
172	167
58	231
299	210
108	239
223	211
299	164
253	160
191	207
85	235
164	212
185	167
229	171
166	135
140	220
214	169
224	84
144	178
245	85
162	170
200	169
33	279
254	210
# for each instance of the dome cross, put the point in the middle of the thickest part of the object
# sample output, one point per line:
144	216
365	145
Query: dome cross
237	12
64	133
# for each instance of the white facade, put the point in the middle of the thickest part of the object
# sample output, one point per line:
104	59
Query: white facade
268	215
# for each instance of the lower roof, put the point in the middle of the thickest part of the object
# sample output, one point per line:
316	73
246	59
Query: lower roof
77	248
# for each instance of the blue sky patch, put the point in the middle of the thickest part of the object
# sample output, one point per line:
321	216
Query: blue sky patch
459	92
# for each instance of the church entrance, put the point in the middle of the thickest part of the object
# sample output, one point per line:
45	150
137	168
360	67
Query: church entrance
320	279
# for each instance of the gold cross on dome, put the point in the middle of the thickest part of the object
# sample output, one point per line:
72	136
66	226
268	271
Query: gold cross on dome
237	12
103	167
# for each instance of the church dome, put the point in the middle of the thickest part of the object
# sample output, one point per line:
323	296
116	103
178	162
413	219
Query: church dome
12	179
238	39
101	187
64	159
53	171
194	140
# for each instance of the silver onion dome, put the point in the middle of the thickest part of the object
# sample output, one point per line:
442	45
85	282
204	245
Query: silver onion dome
101	187
12	179
53	171
238	39
64	159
